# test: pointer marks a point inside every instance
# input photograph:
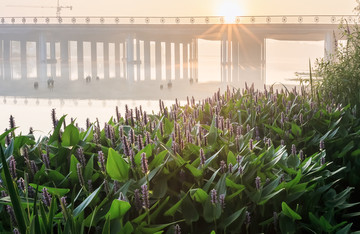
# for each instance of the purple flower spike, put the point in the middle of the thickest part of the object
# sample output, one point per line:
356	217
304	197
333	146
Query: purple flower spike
293	149
137	199
12	167
101	159
202	157
145	196
144	164
257	182
248	217
46	197
213	196
222	200
177	229
322	145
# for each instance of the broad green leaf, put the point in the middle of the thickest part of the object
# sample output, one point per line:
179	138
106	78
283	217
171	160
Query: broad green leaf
295	129
54	191
232	218
198	195
116	167
213	132
19	212
89	168
286	210
73	169
171	211
118	209
55	135
158	159
231	158
155	228
127	229
194	171
106	227
71	136
86	202
189	211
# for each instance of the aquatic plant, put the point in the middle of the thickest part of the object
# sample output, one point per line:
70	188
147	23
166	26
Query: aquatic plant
228	164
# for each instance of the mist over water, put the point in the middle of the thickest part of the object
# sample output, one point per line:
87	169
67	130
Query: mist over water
36	113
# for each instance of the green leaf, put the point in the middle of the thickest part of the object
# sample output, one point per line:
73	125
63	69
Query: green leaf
171	211
106	227
89	168
231	158
55	135
198	195
118	209
232	218
54	191
286	210
127	229
19	212
73	169
158	159
70	136
189	211
86	202
295	129
211	211
209	160
116	166
160	187
194	171
213	133
155	228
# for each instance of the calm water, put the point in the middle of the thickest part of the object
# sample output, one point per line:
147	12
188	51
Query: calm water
36	113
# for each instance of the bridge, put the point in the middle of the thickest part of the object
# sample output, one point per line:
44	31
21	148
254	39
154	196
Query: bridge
151	48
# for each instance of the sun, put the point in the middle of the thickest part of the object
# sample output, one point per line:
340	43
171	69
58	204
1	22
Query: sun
229	9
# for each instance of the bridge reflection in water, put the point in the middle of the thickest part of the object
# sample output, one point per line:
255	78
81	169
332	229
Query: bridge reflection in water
150	48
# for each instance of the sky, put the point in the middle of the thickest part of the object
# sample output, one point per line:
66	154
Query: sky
177	7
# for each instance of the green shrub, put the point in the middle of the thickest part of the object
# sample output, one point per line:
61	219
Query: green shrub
341	73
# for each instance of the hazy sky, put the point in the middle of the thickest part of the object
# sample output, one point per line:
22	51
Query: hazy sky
177	7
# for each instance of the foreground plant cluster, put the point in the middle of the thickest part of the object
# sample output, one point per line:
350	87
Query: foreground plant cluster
241	162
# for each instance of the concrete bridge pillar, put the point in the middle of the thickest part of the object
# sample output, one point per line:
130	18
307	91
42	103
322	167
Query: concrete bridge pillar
138	60
94	60
80	59
64	55
130	58
41	59
1	60
124	59
191	60
53	59
168	60
195	60
185	61
235	60
224	59
252	59
117	60
23	58
330	45
6	57
158	60
177	60
106	60
147	60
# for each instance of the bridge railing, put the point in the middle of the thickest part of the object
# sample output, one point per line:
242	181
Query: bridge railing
110	20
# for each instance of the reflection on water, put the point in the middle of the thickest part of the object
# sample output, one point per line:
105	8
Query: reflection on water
36	113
